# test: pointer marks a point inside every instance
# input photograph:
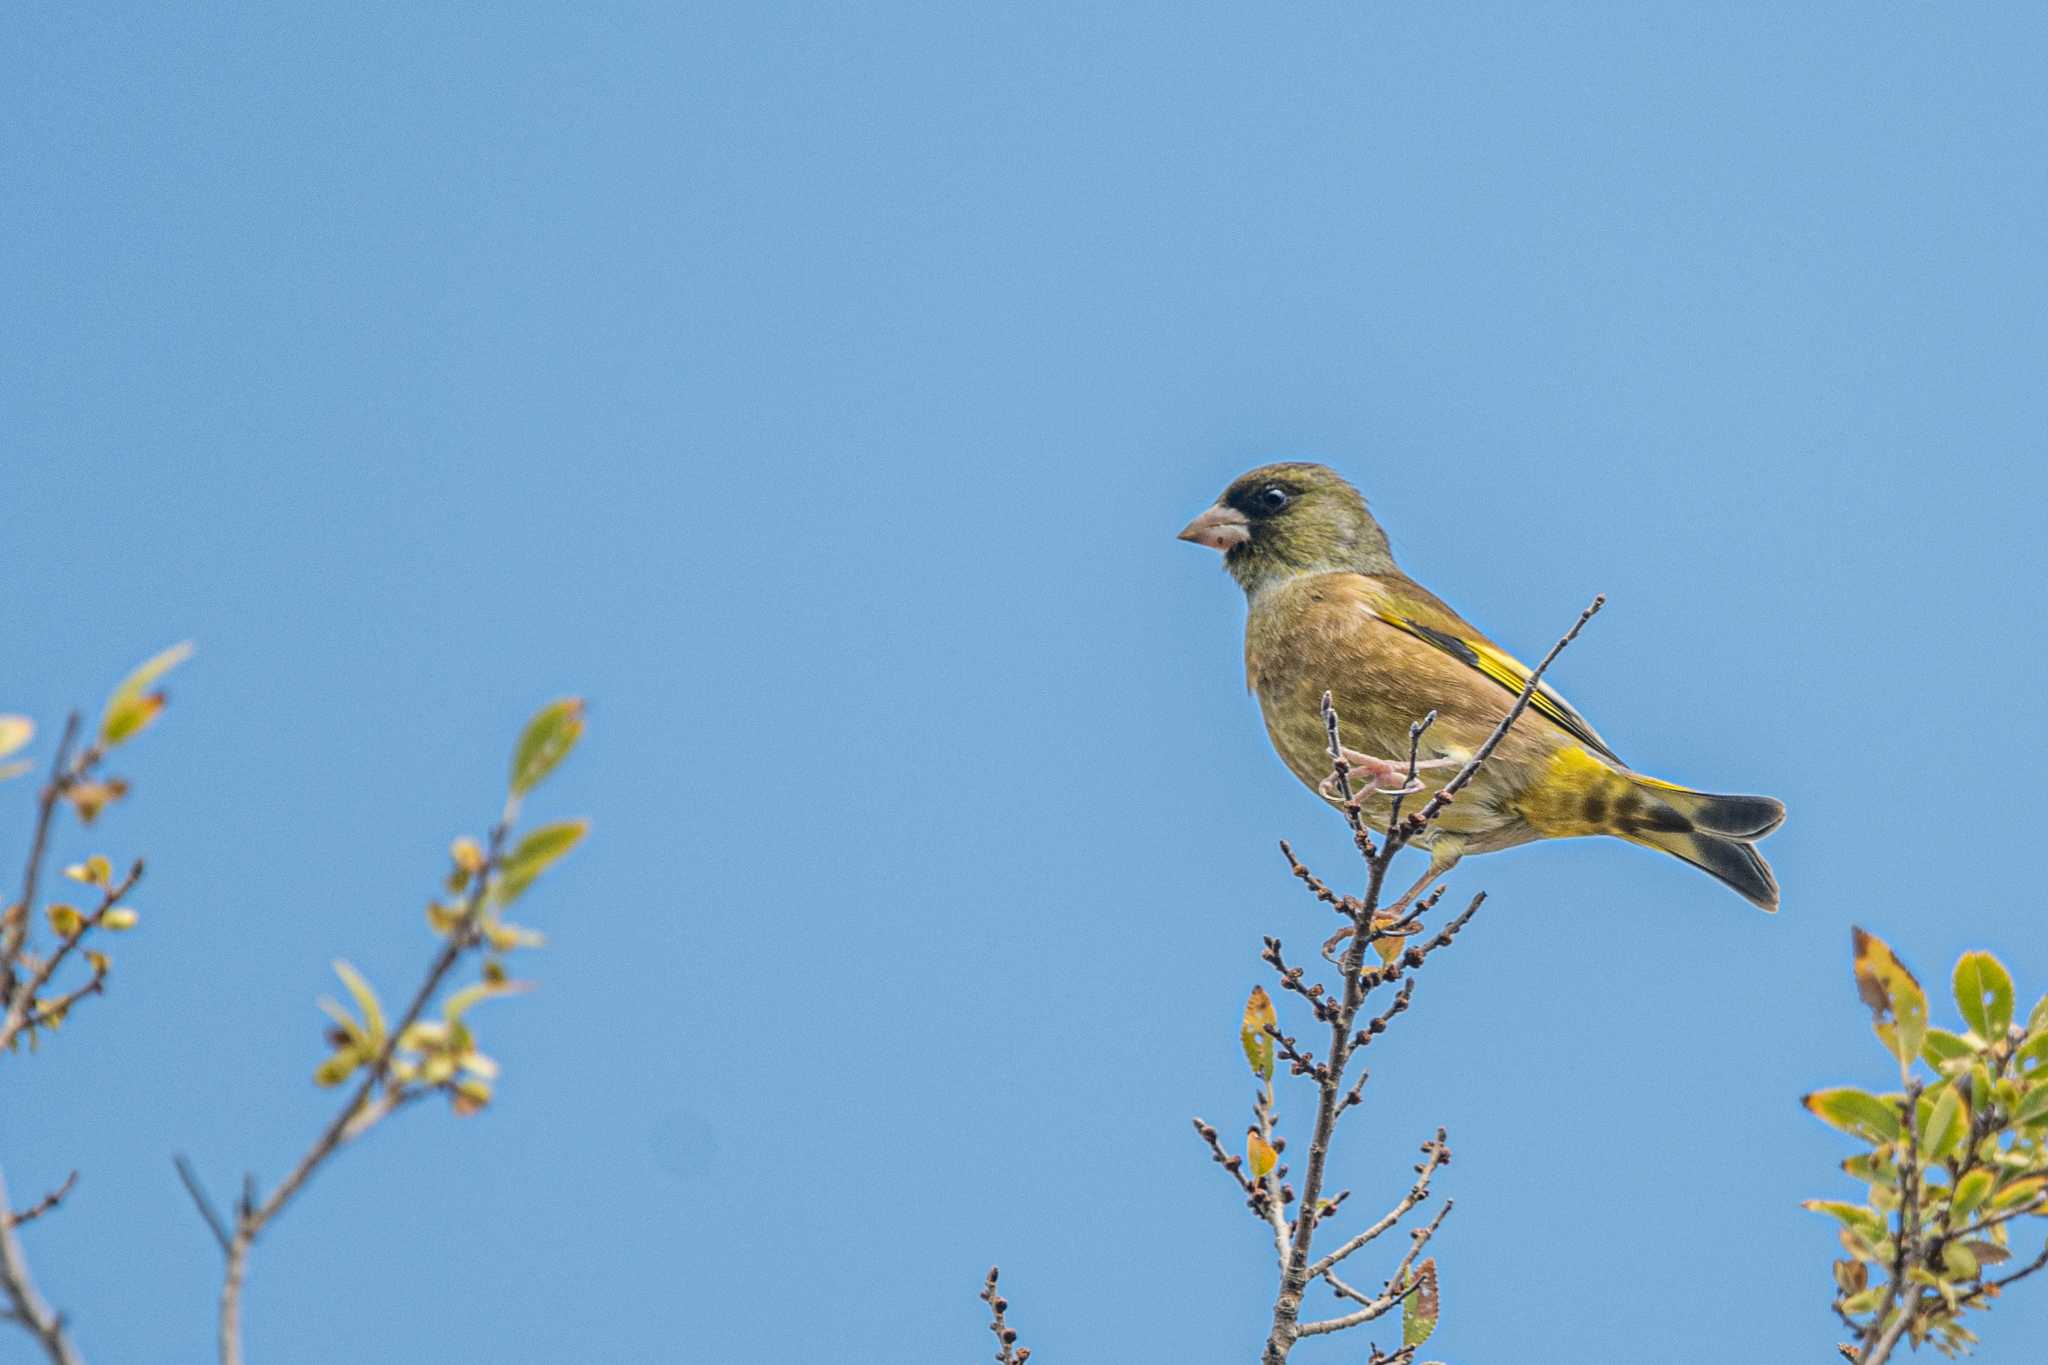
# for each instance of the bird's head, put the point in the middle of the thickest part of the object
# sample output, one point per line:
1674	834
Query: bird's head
1284	520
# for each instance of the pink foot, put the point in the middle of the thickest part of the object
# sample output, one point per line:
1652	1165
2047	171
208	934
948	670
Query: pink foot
1371	776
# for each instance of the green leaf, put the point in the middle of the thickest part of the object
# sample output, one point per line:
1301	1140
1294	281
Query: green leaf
133	706
1897	1004
1959	1261
338	1068
1855	1111
1258	1044
535	854
2033	1106
2032	1054
1866	1221
366	1002
1419	1311
545	742
15	731
1984	995
1944	1125
1971	1191
1942	1048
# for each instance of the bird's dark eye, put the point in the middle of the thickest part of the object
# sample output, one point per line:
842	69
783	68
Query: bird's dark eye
1274	498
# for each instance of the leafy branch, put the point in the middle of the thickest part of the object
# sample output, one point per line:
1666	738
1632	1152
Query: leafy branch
391	1065
1957	1155
417	1057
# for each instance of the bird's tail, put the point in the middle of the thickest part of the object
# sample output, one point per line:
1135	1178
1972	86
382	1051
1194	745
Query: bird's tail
1716	834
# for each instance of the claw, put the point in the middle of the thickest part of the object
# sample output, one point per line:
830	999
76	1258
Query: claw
1380	776
1388	945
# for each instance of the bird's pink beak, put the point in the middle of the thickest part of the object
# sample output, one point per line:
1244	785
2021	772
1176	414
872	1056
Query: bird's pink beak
1219	528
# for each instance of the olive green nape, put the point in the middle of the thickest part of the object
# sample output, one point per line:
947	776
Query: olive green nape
1323	526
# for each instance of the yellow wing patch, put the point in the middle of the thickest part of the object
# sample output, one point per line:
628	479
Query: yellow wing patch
1511	673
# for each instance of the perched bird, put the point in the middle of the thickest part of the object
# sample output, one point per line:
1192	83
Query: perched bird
1331	611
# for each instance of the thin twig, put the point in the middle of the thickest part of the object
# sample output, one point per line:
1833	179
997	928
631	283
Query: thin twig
1415	732
201	1201
41	1206
1435	1153
1449	791
25	1305
1008	1352
24	1010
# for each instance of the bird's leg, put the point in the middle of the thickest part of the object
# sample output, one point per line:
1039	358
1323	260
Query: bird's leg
1388	915
1382	776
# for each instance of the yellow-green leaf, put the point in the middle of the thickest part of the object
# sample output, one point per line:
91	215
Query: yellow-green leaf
1258	1044
534	855
1868	1222
2033	1106
2022	1191
1897	1004
338	1068
1971	1191
1984	995
459	1003
505	937
469	1095
1420	1309
343	1020
1944	1125
1854	1111
94	871
133	706
366	1002
1259	1153
15	731
545	742
65	920
1946	1052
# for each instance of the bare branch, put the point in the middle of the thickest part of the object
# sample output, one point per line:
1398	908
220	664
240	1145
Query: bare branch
1435	1154
25	1305
1008	1351
41	1206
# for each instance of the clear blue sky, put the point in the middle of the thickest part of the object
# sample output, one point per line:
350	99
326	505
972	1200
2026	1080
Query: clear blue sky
818	389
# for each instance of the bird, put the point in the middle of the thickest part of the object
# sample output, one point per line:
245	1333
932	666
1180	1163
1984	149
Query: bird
1329	611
